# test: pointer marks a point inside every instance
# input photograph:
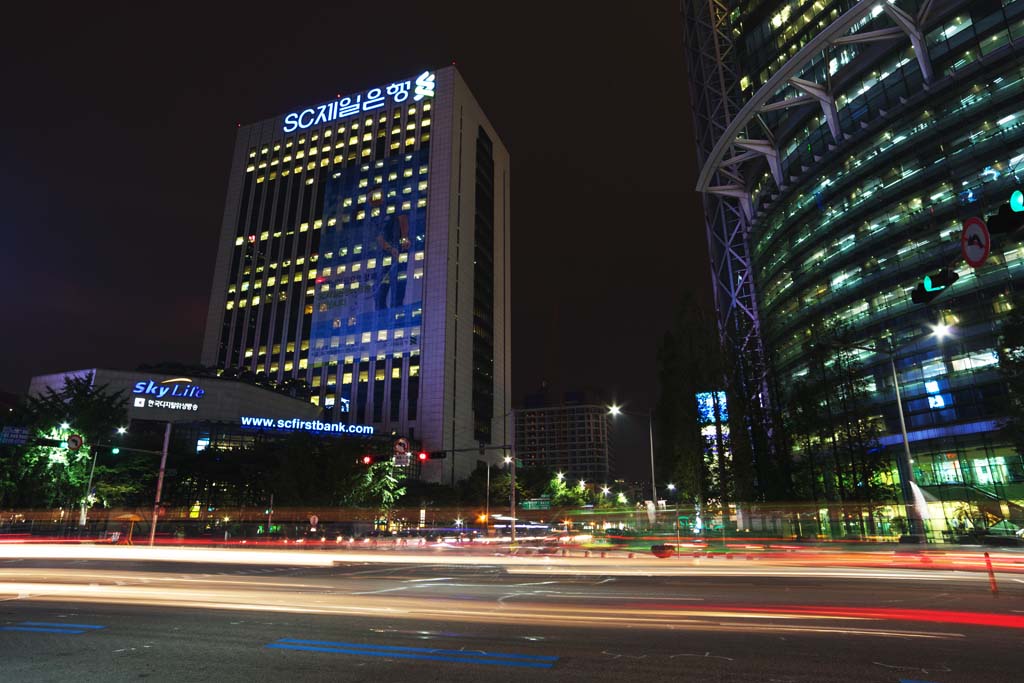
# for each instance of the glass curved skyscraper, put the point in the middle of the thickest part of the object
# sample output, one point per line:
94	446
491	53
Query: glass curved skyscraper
842	146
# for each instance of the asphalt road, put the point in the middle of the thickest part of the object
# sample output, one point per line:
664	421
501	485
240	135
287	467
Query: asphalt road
119	620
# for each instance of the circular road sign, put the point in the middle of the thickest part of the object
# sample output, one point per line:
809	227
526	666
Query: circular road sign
975	242
74	442
401	446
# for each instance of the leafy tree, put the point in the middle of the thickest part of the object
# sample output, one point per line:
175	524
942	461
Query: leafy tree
833	431
689	362
47	476
1011	365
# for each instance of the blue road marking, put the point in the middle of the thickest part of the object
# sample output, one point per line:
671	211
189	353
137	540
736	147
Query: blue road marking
424	650
403	655
37	629
422	653
60	624
51	627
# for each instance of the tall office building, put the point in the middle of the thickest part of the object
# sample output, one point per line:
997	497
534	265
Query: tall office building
364	249
571	435
842	144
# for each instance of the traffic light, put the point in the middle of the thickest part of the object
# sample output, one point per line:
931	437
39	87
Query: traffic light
366	460
933	285
423	456
115	450
1010	217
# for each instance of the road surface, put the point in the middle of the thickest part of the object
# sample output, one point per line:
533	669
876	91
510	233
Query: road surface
364	619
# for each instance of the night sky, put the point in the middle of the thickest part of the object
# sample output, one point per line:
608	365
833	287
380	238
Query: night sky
119	125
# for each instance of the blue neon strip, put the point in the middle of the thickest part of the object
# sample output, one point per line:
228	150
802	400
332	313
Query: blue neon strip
36	629
402	655
58	625
430	651
940	432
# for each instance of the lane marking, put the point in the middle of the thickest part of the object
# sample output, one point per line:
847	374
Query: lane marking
428	650
400	652
36	629
59	624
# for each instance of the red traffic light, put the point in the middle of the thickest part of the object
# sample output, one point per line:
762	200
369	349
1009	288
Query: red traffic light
423	455
367	460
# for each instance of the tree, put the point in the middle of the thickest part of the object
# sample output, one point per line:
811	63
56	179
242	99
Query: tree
833	430
1011	366
47	476
689	362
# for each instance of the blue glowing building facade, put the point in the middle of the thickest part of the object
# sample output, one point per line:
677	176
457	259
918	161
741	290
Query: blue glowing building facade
364	251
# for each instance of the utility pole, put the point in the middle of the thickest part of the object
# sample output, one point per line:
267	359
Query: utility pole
159	484
88	488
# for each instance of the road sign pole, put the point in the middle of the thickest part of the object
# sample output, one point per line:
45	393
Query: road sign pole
159	485
83	517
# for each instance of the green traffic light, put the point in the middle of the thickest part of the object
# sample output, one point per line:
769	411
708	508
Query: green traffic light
1017	201
115	451
929	287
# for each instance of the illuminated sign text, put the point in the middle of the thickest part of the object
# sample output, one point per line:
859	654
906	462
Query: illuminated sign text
375	98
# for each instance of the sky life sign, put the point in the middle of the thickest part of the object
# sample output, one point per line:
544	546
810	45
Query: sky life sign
167	394
375	98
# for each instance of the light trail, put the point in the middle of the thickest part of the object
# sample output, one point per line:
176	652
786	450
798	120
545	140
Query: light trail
462	610
526	565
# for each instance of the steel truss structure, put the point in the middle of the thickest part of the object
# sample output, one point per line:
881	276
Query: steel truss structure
733	146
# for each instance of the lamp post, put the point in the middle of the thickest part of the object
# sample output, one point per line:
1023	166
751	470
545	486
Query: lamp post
615	411
511	462
160	485
915	521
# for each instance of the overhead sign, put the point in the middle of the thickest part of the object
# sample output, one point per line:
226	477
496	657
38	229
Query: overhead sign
374	98
975	242
299	424
74	442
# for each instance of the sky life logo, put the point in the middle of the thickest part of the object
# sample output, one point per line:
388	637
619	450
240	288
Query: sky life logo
177	387
375	98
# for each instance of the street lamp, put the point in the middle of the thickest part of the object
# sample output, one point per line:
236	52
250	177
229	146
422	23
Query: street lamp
904	464
511	462
615	411
122	430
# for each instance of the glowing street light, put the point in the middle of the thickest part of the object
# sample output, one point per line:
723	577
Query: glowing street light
560	475
508	459
65	425
605	490
122	430
615	411
671	487
583	485
941	330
